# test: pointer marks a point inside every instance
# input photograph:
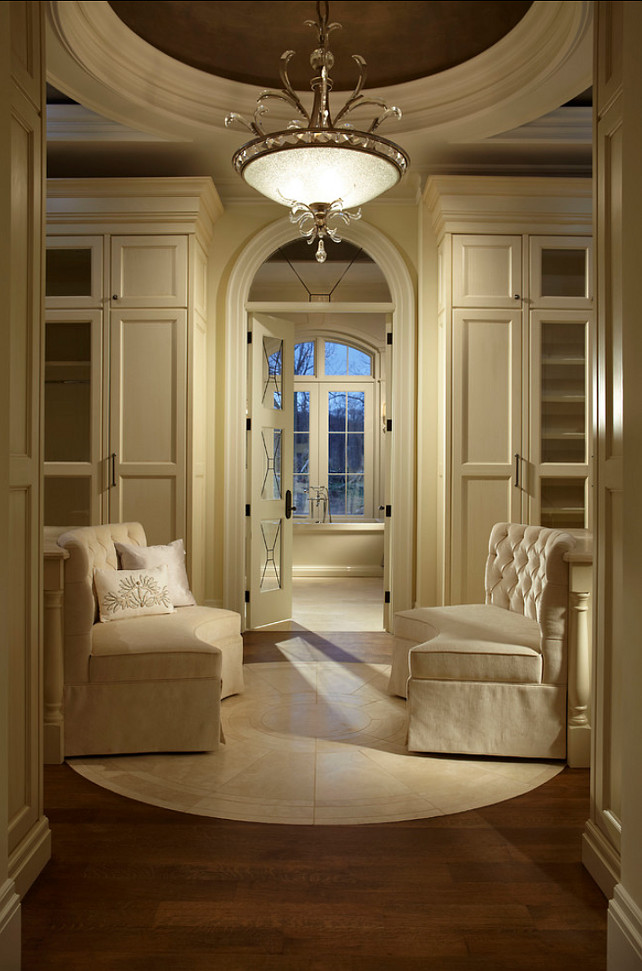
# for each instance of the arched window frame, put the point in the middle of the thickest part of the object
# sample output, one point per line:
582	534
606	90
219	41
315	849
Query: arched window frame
317	386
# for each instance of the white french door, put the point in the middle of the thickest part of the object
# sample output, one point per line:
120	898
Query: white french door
269	470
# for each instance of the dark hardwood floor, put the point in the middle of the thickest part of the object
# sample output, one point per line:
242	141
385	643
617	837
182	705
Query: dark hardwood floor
135	887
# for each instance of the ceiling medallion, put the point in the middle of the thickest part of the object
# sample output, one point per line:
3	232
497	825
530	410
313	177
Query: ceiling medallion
321	169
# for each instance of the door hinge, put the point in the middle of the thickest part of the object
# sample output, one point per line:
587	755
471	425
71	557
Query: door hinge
388	424
248	424
389	338
247	596
248	511
386	597
249	336
388	511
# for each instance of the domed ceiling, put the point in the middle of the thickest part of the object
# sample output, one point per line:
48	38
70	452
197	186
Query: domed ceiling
400	41
483	86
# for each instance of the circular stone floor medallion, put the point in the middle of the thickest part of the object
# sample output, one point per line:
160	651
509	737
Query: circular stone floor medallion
315	743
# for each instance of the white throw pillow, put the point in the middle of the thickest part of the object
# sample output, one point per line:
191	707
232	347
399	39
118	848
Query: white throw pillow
134	557
132	593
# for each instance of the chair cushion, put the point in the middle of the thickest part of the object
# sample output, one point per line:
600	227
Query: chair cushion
177	645
472	642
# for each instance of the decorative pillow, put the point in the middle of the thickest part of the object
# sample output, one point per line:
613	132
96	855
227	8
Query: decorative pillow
134	557
132	593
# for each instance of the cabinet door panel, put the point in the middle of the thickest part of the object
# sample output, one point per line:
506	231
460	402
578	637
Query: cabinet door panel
149	271
487	271
148	419
479	501
487	418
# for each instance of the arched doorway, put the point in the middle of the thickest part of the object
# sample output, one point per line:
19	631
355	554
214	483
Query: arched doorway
401	518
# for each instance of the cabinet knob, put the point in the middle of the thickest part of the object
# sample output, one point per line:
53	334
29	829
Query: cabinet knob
114	296
516	296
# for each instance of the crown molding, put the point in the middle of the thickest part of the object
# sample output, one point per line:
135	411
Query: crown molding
461	204
75	123
180	205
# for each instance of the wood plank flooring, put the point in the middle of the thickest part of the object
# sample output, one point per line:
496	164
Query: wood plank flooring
138	888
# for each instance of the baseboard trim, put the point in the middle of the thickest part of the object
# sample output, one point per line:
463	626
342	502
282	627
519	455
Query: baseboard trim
10	927
600	858
30	856
624	938
337	571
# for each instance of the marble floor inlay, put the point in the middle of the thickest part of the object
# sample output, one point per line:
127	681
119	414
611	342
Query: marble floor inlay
315	742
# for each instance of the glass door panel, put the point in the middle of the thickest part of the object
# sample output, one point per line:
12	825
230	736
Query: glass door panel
74	271
68	501
561	271
68	391
559	415
563	503
72	418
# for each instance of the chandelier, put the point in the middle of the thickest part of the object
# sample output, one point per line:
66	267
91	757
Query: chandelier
321	169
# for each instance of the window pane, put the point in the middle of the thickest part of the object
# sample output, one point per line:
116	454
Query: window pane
301	411
359	362
301	452
356	410
337	491
304	358
337	411
355	453
300	485
336	452
336	358
354	495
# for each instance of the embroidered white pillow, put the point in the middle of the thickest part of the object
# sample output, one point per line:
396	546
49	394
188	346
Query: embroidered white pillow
132	593
134	557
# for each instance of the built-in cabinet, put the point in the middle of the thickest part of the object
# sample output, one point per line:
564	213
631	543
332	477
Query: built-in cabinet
125	337
515	310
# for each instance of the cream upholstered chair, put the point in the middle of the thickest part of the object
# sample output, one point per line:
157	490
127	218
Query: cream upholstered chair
490	679
142	683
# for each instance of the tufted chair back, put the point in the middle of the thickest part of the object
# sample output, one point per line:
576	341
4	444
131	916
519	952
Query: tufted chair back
89	547
526	573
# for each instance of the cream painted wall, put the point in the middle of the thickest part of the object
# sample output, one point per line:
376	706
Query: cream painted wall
234	230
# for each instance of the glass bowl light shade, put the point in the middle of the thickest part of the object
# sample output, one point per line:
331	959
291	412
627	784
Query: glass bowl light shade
321	166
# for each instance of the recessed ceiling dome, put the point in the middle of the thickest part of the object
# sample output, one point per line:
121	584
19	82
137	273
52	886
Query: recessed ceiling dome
243	41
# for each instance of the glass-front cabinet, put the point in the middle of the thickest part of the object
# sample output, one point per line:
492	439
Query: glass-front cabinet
560	360
73	381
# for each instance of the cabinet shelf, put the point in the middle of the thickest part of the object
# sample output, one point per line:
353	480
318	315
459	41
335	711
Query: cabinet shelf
563	436
564	361
55	364
562	510
561	398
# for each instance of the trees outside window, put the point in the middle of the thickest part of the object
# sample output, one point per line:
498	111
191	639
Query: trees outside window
335	451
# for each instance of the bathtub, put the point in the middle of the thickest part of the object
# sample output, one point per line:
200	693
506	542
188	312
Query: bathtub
338	549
